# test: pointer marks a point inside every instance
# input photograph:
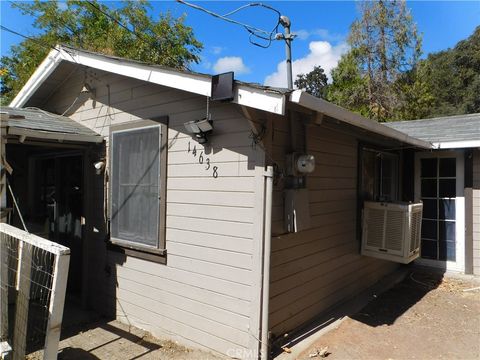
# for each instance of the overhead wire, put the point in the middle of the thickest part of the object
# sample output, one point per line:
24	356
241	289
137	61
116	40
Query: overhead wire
119	23
268	36
139	36
45	45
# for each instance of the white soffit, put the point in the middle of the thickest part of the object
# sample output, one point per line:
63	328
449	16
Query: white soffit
313	103
193	83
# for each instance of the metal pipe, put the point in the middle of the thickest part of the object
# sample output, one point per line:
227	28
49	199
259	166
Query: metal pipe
288	37
267	238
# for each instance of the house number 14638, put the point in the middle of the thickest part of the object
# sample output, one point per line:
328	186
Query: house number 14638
203	160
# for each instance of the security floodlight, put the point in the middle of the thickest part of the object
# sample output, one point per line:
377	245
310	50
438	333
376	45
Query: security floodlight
205	125
200	129
192	127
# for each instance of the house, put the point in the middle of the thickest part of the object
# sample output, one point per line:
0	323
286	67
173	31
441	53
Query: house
447	181
225	239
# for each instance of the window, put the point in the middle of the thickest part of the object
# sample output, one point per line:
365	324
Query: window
137	186
438	185
379	175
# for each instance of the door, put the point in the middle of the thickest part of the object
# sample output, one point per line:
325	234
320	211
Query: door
58	203
439	185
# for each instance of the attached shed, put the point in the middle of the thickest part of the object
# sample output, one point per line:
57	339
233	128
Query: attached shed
447	181
215	240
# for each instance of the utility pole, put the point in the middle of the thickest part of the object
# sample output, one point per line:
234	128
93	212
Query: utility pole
288	37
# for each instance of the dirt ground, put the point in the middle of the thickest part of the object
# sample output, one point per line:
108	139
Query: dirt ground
424	317
116	341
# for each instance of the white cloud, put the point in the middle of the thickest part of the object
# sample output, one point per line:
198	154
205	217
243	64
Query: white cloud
302	34
231	63
323	34
216	50
321	53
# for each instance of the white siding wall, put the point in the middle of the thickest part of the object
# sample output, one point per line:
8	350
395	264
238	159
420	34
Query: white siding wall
476	212
317	269
207	294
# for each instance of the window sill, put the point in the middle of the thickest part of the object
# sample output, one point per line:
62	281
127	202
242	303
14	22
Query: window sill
140	252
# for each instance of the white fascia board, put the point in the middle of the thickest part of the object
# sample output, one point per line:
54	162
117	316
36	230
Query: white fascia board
259	99
457	144
193	83
313	103
59	136
38	77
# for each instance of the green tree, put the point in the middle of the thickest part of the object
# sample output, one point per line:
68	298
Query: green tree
417	100
315	82
384	45
349	87
127	31
453	78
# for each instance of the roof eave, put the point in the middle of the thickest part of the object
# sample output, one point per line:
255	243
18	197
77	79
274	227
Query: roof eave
53	59
316	104
465	144
194	83
58	136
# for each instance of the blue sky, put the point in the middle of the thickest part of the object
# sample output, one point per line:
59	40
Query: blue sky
322	27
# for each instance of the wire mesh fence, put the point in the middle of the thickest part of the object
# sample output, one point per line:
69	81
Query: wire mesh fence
33	275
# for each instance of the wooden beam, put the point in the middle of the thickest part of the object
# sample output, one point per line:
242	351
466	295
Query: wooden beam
57	301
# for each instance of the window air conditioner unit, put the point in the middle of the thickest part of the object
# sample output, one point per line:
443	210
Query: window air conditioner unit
391	231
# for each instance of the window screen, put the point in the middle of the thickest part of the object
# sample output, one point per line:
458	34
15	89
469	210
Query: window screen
379	176
135	184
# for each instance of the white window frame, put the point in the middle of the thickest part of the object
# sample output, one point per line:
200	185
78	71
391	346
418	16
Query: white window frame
459	264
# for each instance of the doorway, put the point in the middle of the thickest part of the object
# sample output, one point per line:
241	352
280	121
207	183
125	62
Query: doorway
57	189
439	184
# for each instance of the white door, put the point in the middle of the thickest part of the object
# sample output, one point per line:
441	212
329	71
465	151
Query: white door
439	184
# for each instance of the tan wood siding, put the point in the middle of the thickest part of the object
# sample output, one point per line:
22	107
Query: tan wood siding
317	269
205	293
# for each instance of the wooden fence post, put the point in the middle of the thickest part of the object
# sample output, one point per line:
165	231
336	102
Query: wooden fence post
57	301
3	288
23	301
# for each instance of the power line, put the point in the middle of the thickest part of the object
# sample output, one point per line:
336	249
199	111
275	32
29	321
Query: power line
45	45
119	23
268	36
139	36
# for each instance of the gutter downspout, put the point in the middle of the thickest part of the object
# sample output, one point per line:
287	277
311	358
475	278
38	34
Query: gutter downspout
267	238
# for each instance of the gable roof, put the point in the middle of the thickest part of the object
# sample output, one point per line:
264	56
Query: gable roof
273	100
38	123
459	131
262	98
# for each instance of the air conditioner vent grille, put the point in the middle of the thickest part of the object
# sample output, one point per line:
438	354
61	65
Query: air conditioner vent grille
391	231
375	227
415	230
394	230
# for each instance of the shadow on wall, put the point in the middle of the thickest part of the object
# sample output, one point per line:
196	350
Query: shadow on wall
107	103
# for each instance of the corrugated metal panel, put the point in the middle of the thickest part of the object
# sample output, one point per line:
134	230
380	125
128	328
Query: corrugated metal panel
443	129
